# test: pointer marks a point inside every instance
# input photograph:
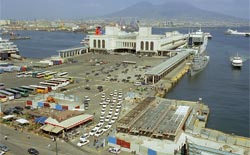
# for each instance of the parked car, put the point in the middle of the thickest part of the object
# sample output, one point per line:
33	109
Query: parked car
93	131
33	151
4	148
99	133
83	142
115	150
107	127
84	136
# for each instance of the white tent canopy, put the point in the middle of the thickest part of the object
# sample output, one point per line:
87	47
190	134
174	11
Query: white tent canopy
22	121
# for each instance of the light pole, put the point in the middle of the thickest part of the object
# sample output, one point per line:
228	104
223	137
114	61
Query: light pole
54	139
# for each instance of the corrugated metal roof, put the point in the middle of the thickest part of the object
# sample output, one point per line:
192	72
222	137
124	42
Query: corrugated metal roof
159	69
71	122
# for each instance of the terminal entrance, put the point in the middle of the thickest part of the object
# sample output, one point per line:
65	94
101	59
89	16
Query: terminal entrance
132	51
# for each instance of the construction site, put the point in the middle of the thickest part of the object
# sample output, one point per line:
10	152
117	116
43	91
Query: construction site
157	118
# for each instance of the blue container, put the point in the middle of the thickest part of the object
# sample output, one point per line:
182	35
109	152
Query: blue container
59	107
151	152
40	104
112	140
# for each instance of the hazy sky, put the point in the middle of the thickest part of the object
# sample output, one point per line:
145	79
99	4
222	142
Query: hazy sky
78	9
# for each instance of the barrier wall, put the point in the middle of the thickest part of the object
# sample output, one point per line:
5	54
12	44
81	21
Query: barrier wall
130	146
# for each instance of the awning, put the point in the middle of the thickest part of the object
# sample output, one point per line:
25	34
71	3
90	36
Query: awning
41	120
51	128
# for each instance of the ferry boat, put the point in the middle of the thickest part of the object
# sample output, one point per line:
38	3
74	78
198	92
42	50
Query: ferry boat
198	40
237	61
7	49
85	41
235	32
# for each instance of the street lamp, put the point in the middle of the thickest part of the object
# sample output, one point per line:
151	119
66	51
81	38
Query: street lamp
54	139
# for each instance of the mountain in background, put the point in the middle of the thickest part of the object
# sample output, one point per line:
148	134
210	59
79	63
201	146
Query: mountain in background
170	10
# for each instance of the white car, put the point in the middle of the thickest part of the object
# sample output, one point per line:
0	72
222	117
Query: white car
116	113
101	103
102	112
111	94
104	105
112	105
99	133
93	131
137	83
103	96
118	106
115	150
101	122
84	136
107	119
112	120
110	112
81	143
115	117
119	99
102	117
117	110
107	100
107	127
98	126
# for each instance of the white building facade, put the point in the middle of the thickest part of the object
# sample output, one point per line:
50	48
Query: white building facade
142	42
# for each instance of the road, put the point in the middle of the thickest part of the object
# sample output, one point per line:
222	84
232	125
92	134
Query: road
18	143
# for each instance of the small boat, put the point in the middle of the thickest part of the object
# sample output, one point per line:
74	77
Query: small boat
209	36
236	61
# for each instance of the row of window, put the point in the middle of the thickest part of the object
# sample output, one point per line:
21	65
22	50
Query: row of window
126	44
147	47
99	45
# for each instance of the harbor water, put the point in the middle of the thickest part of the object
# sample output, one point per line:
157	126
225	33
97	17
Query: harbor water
224	89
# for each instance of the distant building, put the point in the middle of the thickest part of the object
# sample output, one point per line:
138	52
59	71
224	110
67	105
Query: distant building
4	22
142	42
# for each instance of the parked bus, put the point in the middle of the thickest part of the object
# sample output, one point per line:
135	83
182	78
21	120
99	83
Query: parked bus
49	75
64	81
10	95
63	74
30	89
24	74
40	89
53	86
42	74
16	94
23	92
3	98
2	86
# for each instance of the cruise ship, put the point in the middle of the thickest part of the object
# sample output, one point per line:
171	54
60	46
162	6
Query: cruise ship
198	40
7	49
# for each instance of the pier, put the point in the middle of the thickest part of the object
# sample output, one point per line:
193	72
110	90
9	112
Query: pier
75	51
158	72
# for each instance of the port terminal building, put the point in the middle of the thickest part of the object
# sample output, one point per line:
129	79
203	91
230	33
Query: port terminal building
142	42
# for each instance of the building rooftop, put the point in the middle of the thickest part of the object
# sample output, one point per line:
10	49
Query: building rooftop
159	69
